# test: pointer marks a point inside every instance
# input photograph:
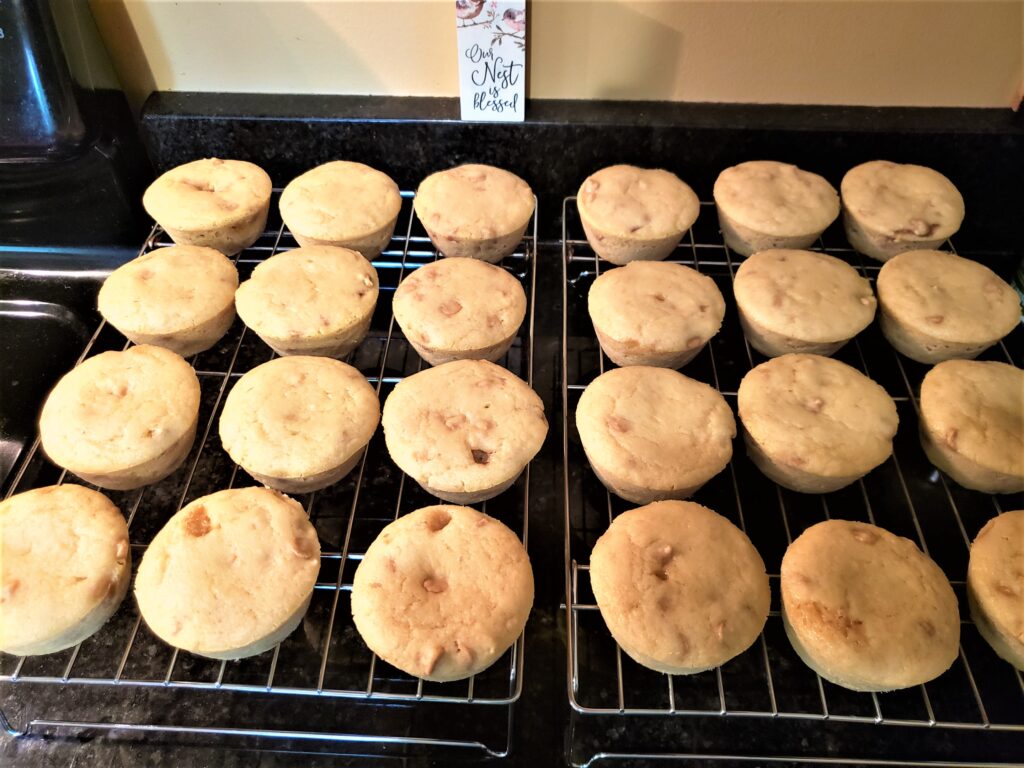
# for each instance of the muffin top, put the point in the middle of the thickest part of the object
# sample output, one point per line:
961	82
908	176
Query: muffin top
119	409
976	408
902	202
818	415
169	290
995	574
227	570
776	198
206	194
459	304
804	295
657	305
310	292
637	203
948	297
67	525
463	426
425	596
873	610
658	428
680	587
298	416
473	202
340	200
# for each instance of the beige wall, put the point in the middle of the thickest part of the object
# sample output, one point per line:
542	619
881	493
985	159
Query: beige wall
877	53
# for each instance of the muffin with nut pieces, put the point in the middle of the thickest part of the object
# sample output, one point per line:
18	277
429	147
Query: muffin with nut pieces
654	313
765	204
65	565
342	203
216	203
681	589
460	309
418	593
317	300
475	211
181	298
866	609
889	208
813	424
122	420
632	213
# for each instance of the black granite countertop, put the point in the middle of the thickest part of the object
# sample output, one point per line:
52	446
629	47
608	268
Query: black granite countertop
561	142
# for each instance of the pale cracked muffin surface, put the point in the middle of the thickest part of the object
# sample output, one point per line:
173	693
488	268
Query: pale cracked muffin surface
639	203
817	418
681	589
775	200
867	609
460	308
652	434
463	430
316	300
218	203
181	298
995	585
796	301
425	597
936	305
972	423
342	203
891	207
64	567
474	211
122	417
654	313
229	575
298	418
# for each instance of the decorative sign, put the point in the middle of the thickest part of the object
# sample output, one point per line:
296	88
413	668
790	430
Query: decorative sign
492	59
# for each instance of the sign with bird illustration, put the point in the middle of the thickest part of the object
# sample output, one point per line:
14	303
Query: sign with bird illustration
492	59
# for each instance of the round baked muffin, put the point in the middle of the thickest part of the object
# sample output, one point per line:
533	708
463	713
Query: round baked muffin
230	575
938	306
631	213
216	203
317	300
652	434
425	597
972	423
460	309
681	589
866	609
64	567
765	204
342	203
889	208
122	420
464	430
181	298
995	585
653	313
475	211
801	301
813	424
299	424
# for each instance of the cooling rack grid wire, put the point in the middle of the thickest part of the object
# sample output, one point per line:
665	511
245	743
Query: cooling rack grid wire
324	657
905	495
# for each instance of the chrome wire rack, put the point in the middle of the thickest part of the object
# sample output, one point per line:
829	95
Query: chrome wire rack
325	658
768	682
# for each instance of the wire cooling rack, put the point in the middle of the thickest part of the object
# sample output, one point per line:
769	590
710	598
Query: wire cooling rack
324	657
769	682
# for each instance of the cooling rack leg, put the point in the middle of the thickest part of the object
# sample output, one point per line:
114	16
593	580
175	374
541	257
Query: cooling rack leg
9	729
